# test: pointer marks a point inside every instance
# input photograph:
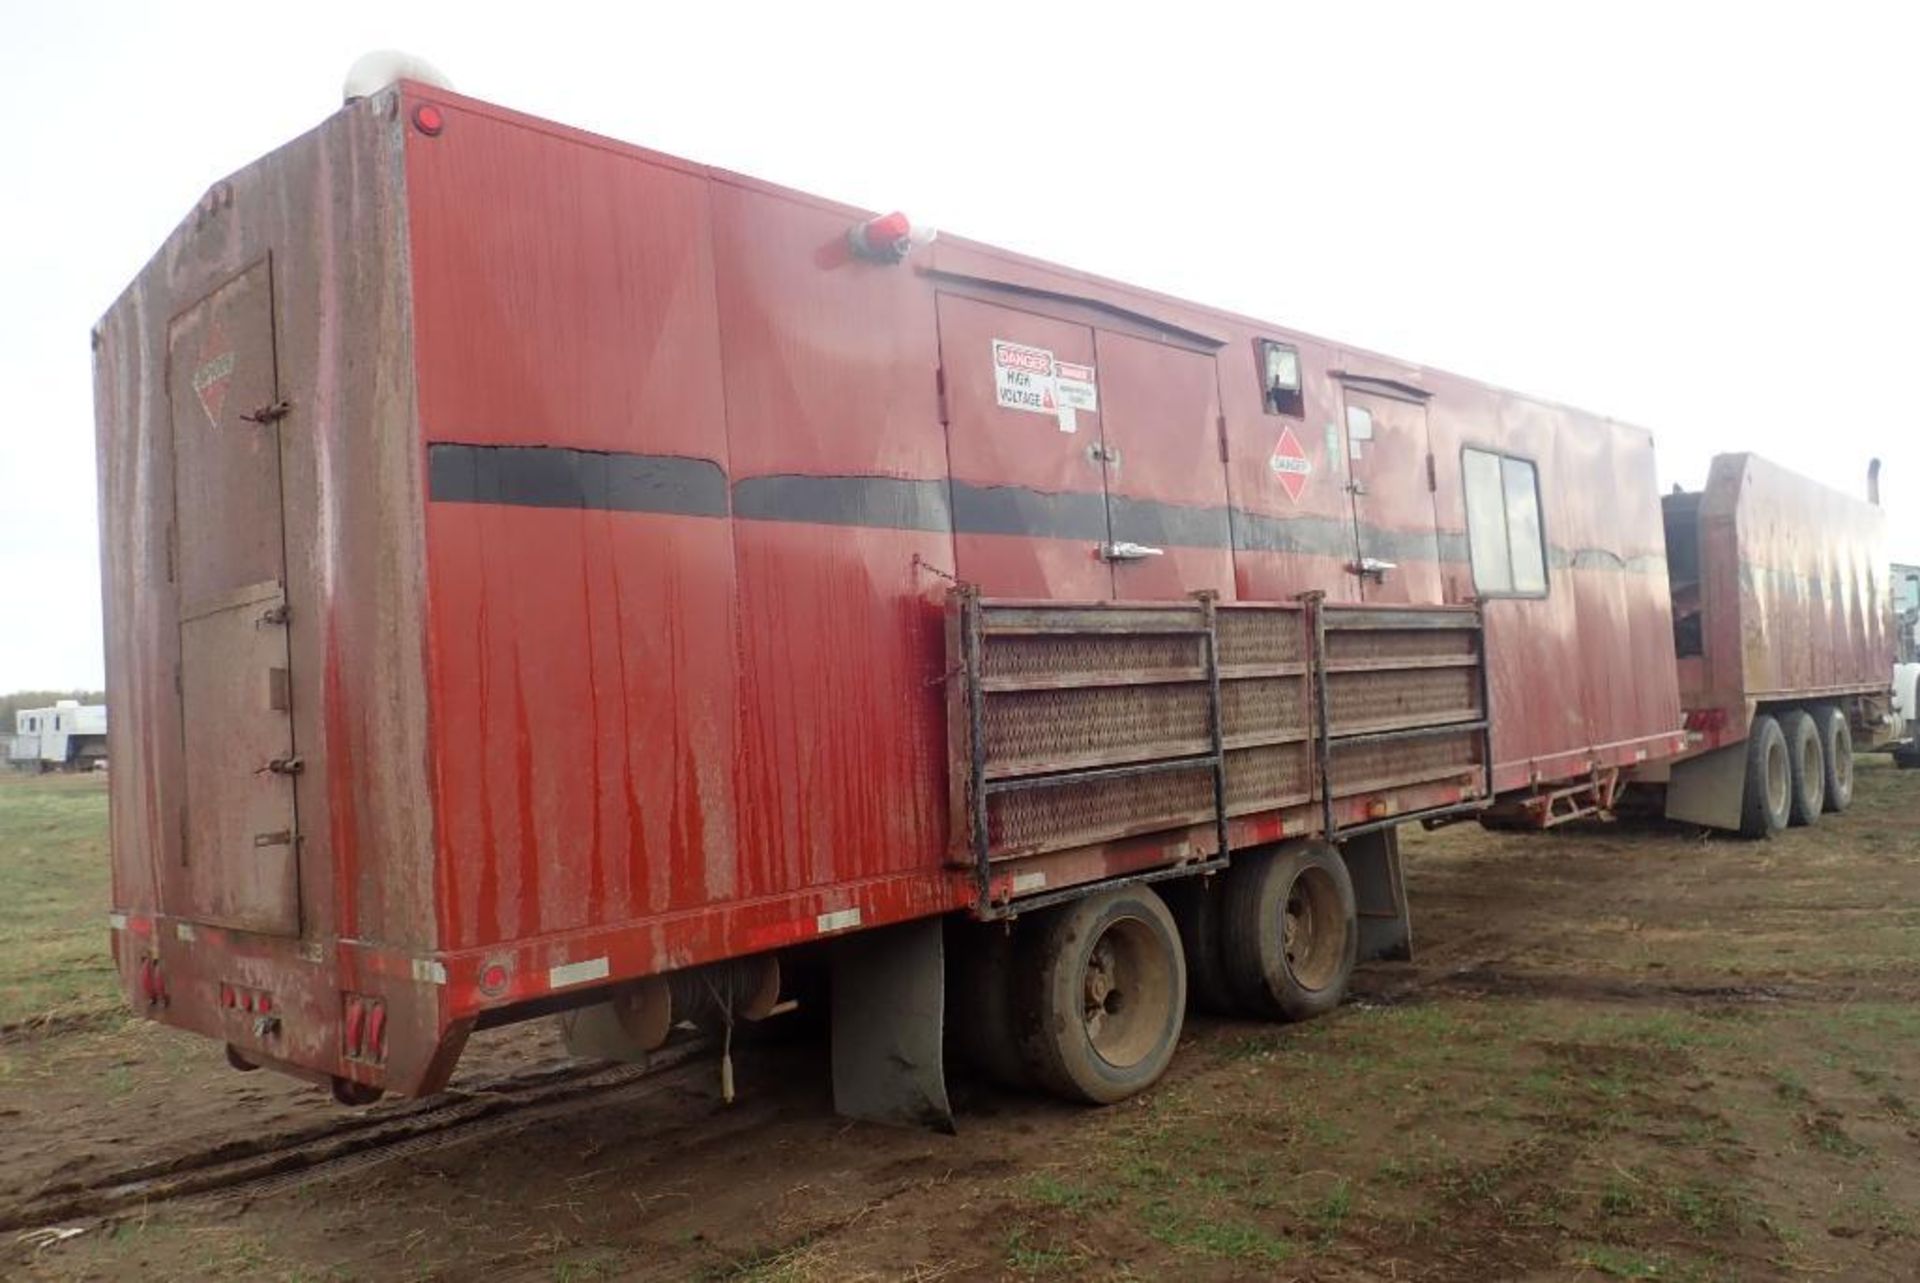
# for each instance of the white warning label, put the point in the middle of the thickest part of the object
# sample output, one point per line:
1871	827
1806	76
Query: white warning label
1023	378
1075	387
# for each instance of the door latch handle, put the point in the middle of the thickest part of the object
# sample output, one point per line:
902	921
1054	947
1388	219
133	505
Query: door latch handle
1124	551
1372	568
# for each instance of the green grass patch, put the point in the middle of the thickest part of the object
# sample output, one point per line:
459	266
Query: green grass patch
54	883
1230	1240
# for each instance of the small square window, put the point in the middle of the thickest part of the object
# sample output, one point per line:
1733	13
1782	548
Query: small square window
1280	378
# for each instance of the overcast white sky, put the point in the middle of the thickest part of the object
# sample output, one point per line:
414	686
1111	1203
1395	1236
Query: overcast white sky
1702	219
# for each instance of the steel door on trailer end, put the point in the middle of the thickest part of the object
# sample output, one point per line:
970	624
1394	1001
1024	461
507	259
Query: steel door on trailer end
240	833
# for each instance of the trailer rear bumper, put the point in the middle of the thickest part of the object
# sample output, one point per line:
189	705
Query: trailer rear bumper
333	1011
396	1021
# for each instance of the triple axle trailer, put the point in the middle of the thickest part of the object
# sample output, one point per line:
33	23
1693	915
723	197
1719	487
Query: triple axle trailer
549	577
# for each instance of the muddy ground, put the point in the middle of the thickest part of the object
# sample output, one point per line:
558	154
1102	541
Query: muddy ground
1625	1052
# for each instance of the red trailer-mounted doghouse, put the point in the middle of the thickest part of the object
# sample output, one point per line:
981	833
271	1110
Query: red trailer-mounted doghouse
543	575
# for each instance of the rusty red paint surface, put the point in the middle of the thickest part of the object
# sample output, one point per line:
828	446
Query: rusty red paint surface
658	677
1782	593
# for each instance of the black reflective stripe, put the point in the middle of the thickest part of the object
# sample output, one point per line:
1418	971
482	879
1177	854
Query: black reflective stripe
1603	559
1037	514
1177	525
1303	536
555	477
887	503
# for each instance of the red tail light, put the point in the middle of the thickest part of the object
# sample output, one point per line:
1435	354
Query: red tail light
153	982
355	1033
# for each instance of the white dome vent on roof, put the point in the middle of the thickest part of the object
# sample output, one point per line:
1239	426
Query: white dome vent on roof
372	72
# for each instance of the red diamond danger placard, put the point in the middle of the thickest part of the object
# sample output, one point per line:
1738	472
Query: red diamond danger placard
1290	463
215	371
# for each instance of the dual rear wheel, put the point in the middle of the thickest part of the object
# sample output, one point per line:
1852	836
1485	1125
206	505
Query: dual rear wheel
1088	1000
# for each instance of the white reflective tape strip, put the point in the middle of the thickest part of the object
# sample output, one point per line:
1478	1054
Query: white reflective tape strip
118	921
838	920
429	971
577	973
1025	882
184	930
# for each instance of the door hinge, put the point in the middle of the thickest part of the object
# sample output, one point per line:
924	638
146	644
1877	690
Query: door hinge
940	391
1101	452
273	615
283	766
1433	480
269	413
1221	423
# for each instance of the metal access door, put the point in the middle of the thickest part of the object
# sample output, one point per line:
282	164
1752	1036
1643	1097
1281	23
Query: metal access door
1389	470
1166	479
1029	489
240	847
1085	464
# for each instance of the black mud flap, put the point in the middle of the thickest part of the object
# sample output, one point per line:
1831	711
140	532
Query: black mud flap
889	1003
1380	895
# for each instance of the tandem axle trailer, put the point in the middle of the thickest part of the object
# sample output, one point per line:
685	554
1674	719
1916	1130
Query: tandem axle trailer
548	576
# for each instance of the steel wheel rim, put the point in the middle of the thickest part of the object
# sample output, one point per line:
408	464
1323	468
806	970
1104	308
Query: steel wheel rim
1313	930
1126	992
1778	775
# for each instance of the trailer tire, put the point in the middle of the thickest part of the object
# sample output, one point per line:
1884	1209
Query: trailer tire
1809	767
1290	933
980	1003
1103	995
1766	800
1196	908
1836	746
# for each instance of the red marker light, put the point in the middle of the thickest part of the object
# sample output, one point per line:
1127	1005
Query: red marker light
428	120
885	239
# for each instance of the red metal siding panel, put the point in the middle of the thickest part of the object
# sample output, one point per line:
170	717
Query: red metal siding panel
839	467
583	660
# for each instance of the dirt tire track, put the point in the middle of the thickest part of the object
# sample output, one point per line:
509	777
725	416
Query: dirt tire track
252	1168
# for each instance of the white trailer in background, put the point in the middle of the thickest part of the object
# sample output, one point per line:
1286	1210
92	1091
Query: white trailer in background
1906	668
67	735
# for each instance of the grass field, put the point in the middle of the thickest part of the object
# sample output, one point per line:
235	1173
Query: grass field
1622	1052
54	883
